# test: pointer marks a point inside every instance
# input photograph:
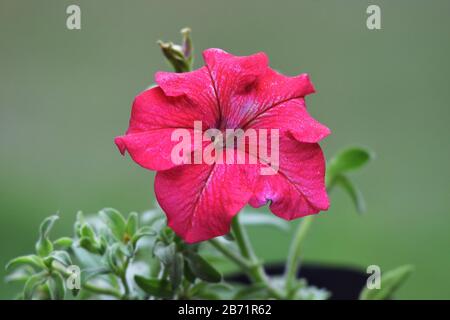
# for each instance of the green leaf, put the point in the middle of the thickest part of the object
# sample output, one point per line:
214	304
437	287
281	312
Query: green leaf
132	224
114	256
87	232
172	260
165	253
30	260
75	292
44	246
151	217
56	286
258	219
188	274
176	270
251	292
89	245
80	221
155	267
212	291
201	268
347	160
60	256
115	221
20	275
63	243
32	283
353	191
102	244
167	235
160	288
390	282
142	232
198	287
88	260
90	273
47	225
229	236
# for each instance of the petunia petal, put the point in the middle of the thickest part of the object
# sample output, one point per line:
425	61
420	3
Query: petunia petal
152	149
272	89
297	188
200	200
154	117
197	87
246	87
291	116
232	77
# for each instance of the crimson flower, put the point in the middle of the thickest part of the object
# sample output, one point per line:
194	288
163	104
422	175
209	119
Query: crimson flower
229	92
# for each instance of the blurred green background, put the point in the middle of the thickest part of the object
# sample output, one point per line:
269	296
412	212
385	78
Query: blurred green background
64	95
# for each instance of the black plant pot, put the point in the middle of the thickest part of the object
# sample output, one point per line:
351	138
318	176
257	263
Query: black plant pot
344	283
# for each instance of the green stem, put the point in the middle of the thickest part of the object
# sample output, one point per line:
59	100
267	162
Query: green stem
293	260
255	269
251	267
237	259
242	240
123	279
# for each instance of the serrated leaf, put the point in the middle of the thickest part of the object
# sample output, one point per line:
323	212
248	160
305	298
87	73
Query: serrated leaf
32	283
115	221
30	260
63	243
390	282
201	268
352	190
160	288
56	286
259	219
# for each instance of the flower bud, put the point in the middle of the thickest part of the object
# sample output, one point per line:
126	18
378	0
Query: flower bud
179	56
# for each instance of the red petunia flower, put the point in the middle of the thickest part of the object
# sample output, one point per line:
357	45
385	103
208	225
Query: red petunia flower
229	92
